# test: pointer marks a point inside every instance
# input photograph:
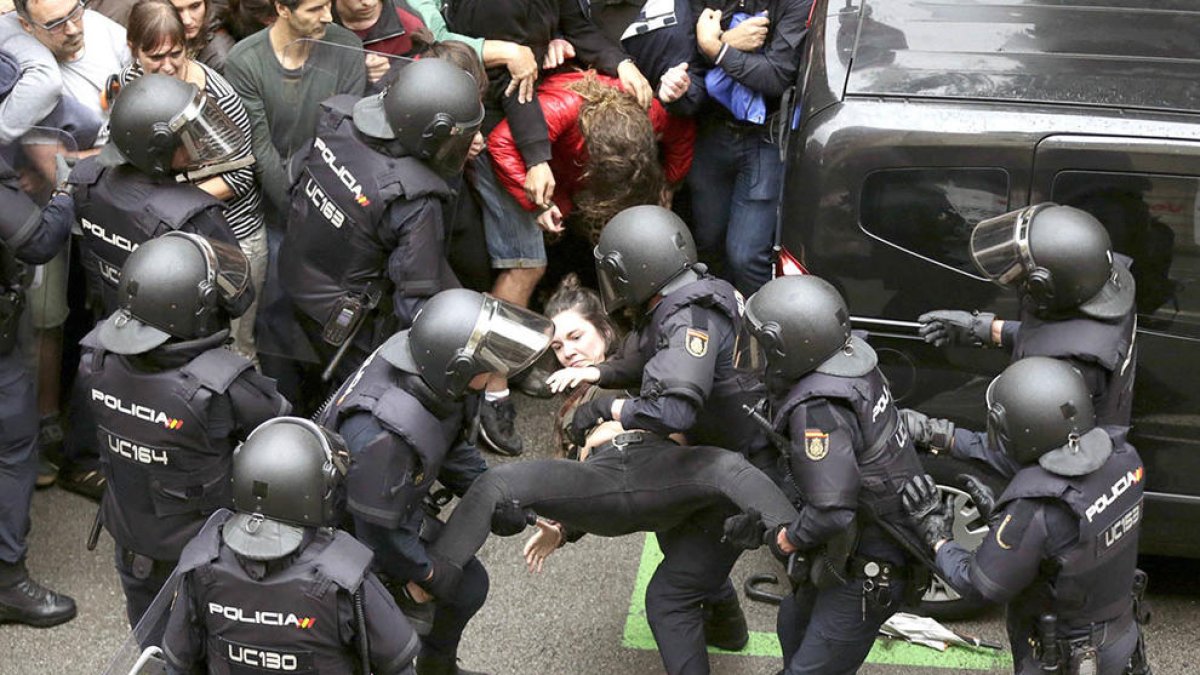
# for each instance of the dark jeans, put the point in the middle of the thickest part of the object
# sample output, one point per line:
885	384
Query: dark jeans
825	632
649	487
682	493
735	185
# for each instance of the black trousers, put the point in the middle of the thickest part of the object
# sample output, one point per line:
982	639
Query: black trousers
682	493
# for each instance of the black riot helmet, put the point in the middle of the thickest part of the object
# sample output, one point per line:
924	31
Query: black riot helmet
156	117
801	324
179	285
432	108
1060	256
1040	410
641	250
285	478
460	333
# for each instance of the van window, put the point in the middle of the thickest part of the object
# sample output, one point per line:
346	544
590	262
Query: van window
1154	219
930	212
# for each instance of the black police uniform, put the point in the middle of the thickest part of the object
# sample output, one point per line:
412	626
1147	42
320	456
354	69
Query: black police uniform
294	614
402	437
684	360
47	234
1103	351
361	222
848	454
1065	546
120	208
166	423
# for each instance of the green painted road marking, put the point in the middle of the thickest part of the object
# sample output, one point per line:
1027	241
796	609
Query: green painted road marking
886	651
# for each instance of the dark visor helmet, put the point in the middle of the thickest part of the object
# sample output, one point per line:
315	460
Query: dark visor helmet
180	285
640	250
1040	410
801	324
460	333
156	116
286	476
432	108
1060	256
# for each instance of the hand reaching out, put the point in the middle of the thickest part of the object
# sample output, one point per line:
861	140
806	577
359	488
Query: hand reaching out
546	540
569	378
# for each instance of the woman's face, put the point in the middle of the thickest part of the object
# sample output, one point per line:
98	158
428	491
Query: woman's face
577	342
167	59
192	12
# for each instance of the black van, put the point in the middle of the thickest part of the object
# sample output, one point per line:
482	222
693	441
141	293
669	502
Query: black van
919	118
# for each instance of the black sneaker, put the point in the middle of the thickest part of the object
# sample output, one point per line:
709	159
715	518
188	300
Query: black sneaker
32	604
497	428
87	482
725	625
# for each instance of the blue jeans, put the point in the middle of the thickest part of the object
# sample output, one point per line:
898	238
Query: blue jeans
735	184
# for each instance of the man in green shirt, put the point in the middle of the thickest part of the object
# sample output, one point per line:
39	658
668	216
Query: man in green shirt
282	83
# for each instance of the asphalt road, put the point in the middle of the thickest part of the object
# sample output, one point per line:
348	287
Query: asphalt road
583	615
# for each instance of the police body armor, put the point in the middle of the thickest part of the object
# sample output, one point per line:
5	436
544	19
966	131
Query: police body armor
382	488
885	462
335	244
1109	344
1091	582
291	621
167	470
720	421
119	208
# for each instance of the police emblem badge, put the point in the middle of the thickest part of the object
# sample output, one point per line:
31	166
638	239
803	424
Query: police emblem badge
696	342
816	444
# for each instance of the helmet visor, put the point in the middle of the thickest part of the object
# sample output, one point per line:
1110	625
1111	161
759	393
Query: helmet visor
996	434
507	338
229	272
206	134
611	277
1000	246
450	154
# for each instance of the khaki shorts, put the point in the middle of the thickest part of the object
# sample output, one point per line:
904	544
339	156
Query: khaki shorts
47	293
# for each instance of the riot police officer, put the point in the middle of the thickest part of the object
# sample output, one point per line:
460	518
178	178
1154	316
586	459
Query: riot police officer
134	190
1077	300
402	415
170	401
366	229
281	553
682	356
1062	549
845	457
32	236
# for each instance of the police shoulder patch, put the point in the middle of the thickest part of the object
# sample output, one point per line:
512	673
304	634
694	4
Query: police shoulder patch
816	444
696	342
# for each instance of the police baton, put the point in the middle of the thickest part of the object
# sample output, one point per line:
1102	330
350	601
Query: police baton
94	534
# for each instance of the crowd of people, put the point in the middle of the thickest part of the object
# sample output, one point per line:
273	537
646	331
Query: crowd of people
353	211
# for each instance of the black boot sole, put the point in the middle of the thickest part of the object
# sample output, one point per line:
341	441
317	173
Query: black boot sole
7	616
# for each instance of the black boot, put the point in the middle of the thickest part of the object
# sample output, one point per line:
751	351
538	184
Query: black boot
23	600
436	664
725	625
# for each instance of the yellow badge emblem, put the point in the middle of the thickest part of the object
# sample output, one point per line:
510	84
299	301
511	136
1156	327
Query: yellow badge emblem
696	343
816	444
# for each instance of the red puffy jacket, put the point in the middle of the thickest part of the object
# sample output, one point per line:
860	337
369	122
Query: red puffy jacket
561	105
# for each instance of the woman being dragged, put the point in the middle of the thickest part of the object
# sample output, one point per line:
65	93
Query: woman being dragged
624	482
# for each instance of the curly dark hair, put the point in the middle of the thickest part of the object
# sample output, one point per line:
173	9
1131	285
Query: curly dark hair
623	166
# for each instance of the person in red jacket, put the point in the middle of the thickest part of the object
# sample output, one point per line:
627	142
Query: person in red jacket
608	153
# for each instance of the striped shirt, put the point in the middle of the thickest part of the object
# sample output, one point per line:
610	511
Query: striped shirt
243	210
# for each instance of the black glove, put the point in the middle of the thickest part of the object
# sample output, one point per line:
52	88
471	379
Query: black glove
588	415
930	433
510	519
745	530
982	495
923	502
957	328
444	581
